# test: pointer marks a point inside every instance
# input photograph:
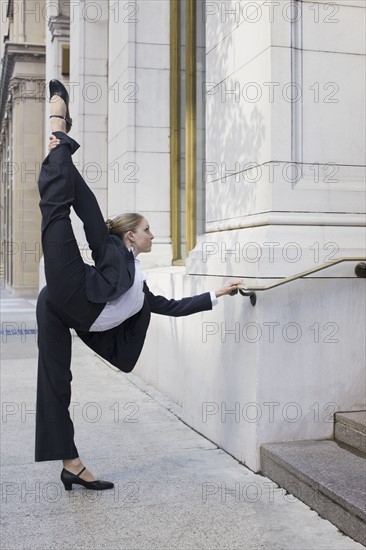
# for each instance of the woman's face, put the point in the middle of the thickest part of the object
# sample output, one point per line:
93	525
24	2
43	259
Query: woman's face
141	238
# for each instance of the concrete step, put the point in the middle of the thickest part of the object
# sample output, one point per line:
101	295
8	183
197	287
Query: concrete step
350	428
328	476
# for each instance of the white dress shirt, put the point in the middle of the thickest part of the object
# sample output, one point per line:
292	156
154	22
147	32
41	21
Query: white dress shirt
124	307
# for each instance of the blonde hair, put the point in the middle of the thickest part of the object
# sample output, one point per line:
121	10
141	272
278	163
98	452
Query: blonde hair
123	223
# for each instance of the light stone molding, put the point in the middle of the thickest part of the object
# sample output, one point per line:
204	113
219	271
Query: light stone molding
12	54
59	27
288	218
23	88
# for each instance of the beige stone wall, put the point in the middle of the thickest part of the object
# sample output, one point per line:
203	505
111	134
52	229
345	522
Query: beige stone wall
27	23
27	155
22	142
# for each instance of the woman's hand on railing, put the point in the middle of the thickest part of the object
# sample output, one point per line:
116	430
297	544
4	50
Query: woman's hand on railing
231	288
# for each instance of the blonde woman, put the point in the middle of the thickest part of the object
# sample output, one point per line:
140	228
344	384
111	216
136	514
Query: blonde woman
109	304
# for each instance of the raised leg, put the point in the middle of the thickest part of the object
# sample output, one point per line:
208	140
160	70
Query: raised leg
64	267
61	186
87	209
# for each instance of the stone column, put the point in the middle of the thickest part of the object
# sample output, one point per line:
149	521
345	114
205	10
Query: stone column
27	140
139	123
89	97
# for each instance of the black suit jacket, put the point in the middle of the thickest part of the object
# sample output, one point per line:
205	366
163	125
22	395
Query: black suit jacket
122	345
113	273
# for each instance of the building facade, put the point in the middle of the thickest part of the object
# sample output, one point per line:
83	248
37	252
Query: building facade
22	100
236	128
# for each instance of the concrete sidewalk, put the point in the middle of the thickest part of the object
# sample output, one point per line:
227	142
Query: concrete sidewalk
173	487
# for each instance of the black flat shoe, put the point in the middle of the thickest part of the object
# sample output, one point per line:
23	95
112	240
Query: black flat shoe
57	88
69	478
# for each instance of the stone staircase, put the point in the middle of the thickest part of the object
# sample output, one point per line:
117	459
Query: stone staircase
328	475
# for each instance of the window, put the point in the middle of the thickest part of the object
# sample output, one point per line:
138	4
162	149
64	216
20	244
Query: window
187	116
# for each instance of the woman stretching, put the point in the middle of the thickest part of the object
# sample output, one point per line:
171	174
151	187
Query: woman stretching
108	304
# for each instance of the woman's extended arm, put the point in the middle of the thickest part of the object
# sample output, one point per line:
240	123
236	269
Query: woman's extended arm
187	306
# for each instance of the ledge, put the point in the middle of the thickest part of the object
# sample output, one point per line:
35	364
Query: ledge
17	52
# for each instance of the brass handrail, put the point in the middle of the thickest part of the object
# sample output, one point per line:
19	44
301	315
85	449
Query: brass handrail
250	290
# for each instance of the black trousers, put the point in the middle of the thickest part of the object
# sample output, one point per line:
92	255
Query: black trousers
62	304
